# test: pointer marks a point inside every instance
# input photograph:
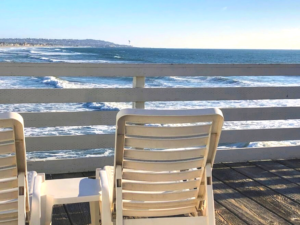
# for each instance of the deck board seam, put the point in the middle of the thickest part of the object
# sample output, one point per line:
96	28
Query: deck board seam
279	161
68	215
262	183
230	212
254	163
254	199
224	217
226	206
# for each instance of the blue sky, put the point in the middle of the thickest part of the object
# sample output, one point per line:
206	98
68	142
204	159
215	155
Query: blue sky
267	24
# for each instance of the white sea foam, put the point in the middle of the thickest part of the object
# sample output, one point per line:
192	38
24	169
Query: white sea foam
44	58
81	61
55	53
273	143
59	83
99	106
60	154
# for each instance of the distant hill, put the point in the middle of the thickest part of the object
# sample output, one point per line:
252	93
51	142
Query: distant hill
57	42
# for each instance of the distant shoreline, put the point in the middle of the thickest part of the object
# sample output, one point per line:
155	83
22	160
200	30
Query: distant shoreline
60	46
45	42
32	46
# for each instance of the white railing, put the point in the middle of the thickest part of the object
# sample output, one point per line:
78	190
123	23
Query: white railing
139	95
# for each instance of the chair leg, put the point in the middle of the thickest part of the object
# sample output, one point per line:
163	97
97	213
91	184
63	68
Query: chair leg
210	208
119	203
210	205
106	217
94	211
47	207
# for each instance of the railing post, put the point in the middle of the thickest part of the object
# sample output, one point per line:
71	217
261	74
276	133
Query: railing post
138	82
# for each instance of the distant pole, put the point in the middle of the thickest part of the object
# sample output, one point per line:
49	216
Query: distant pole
129	42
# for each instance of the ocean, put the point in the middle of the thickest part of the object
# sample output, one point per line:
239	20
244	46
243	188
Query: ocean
146	55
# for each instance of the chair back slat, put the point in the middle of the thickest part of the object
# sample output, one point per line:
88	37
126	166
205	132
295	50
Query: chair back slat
8	161
9	205
8	172
8	183
159	212
163	165
6	136
159	205
153	186
8	215
164	155
138	130
161	177
13	221
7	148
165	143
9	194
159	196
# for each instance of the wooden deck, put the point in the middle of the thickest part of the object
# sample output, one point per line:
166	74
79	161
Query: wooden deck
262	192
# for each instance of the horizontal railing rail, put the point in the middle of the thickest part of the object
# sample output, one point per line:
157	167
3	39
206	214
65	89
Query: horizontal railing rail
93	141
146	70
11	96
139	95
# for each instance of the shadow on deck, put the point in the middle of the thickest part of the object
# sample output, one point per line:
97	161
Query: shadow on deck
263	192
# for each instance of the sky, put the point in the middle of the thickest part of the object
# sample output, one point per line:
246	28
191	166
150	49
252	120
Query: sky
228	24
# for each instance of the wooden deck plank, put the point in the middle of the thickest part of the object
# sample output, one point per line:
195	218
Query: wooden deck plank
59	216
245	208
79	213
270	180
274	202
224	216
220	220
280	170
293	163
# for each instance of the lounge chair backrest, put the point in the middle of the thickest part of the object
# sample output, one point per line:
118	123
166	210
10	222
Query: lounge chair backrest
14	201
162	154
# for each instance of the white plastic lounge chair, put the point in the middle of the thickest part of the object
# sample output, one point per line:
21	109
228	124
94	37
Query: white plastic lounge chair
19	189
16	196
163	172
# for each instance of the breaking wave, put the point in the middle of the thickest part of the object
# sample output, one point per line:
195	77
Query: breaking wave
99	106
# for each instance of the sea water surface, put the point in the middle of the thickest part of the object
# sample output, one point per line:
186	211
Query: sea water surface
146	55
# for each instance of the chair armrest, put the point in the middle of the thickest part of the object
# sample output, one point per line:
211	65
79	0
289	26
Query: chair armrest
106	213
35	216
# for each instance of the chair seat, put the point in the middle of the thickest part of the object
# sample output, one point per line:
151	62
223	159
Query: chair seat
75	190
